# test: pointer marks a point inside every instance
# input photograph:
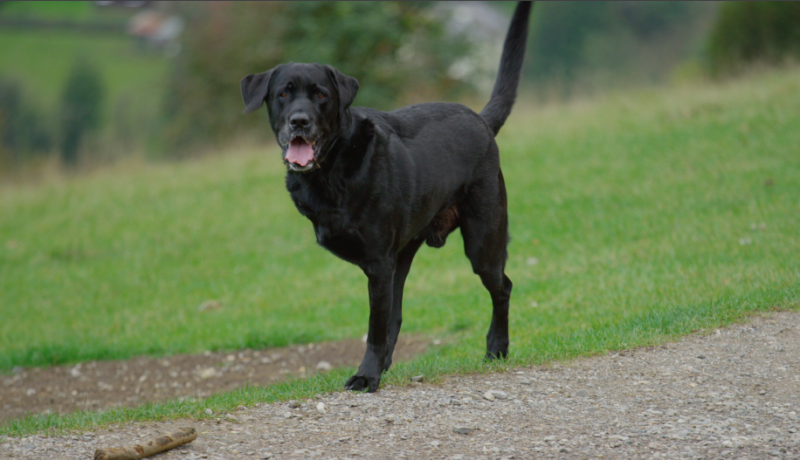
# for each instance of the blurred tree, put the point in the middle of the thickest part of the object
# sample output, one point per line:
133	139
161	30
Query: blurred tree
22	132
558	36
612	44
747	32
80	109
397	50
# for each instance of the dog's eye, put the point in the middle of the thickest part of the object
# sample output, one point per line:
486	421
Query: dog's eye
320	96
284	94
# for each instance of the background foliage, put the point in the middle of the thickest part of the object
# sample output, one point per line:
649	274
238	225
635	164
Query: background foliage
21	128
581	47
748	32
159	106
81	103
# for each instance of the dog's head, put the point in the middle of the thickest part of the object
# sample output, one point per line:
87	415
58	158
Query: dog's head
306	103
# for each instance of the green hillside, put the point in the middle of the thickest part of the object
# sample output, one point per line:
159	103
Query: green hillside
633	217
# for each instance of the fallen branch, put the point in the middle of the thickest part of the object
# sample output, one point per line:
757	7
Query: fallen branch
148	448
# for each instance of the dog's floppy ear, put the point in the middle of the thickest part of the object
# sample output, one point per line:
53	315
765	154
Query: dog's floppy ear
347	87
254	90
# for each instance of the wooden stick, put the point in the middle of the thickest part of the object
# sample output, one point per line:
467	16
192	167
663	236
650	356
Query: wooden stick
148	448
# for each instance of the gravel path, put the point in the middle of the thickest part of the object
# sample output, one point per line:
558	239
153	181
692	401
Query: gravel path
734	393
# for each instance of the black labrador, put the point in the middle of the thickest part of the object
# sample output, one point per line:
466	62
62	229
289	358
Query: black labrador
376	185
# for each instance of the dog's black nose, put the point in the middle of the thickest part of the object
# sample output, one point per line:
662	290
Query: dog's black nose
299	120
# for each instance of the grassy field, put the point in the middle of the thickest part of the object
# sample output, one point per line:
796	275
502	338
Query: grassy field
40	59
634	218
53	10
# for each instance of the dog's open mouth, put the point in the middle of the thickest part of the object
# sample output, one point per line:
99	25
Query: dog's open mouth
300	153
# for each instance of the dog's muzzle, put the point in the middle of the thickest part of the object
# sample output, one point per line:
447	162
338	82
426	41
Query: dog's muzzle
300	153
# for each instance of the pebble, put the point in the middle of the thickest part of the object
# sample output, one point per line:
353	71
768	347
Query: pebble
418	378
321	408
208	372
324	366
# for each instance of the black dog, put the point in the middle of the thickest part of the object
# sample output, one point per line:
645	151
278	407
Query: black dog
376	185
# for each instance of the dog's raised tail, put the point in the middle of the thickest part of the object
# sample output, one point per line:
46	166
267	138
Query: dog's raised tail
505	87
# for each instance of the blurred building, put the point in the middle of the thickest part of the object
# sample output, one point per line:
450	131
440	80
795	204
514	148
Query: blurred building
157	30
154	28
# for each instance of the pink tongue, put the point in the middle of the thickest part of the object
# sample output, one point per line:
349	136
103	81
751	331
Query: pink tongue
299	152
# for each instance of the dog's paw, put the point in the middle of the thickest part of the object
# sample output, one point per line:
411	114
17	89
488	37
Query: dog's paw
362	383
492	355
496	347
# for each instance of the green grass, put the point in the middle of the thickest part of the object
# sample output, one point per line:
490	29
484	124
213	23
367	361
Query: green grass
42	59
52	10
651	214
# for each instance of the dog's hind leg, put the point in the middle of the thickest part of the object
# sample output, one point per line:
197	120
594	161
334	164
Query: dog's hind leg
404	259
485	230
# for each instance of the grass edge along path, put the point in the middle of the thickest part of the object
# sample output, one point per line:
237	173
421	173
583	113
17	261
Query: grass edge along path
650	328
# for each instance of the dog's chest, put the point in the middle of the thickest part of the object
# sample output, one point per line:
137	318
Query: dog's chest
344	242
334	229
334	219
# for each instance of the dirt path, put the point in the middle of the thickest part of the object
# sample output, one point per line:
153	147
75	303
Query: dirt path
734	393
103	384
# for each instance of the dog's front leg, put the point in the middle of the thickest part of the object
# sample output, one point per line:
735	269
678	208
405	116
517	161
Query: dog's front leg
381	276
